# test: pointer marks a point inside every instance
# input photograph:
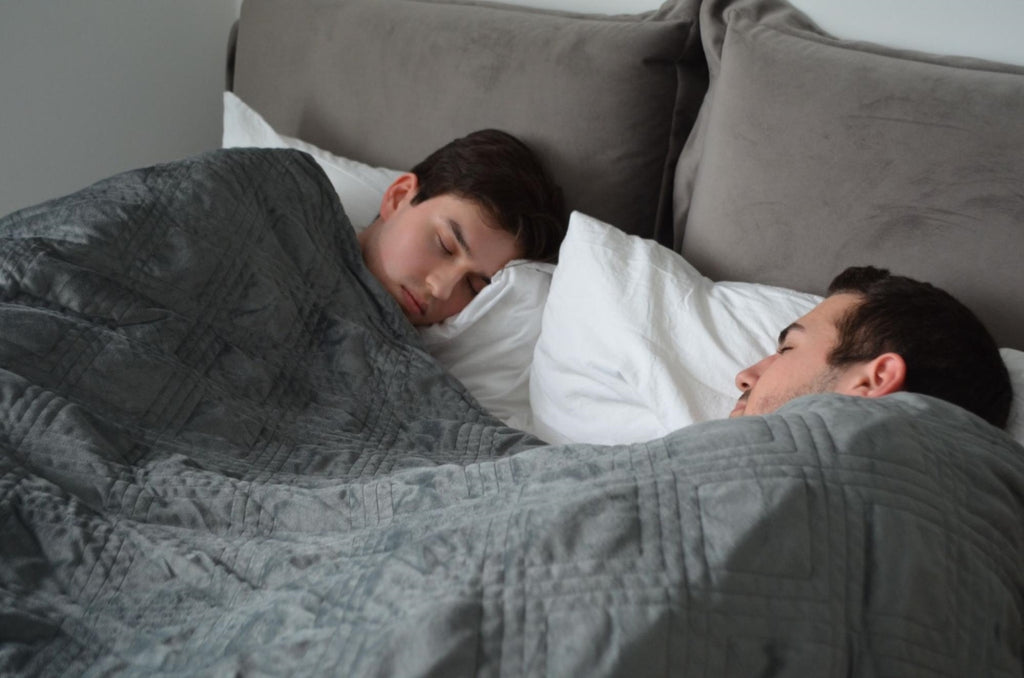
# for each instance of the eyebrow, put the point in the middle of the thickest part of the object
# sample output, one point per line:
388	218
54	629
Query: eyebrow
785	333
457	232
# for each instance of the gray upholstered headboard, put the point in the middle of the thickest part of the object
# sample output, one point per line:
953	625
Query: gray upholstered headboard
606	100
809	153
813	154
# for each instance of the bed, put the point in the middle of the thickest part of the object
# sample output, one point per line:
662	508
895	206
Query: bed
226	452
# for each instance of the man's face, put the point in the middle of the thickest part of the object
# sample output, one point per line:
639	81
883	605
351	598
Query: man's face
800	365
435	256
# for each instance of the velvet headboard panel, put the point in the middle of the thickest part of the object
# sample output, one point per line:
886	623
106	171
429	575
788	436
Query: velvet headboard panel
607	101
812	154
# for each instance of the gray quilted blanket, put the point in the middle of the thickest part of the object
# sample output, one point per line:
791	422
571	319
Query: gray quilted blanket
223	451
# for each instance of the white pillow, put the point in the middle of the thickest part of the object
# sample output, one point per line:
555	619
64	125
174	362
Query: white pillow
489	345
635	343
359	186
1015	366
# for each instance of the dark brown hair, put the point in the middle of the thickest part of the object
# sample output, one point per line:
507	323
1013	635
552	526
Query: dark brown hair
948	352
502	175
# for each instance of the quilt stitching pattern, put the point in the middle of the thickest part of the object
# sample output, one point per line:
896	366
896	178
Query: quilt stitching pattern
259	467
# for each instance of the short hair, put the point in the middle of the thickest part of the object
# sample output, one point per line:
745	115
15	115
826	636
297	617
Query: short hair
502	175
948	352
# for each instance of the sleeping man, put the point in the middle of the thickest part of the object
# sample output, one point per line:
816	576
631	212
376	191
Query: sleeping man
459	216
876	334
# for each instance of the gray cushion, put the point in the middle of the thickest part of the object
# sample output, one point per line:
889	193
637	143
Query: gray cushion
606	100
812	154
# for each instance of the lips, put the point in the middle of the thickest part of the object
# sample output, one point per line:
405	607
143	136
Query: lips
741	405
411	304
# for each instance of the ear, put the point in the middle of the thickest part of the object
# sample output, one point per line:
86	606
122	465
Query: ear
878	377
403	188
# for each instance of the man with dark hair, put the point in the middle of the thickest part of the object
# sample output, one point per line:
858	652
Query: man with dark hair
445	228
876	334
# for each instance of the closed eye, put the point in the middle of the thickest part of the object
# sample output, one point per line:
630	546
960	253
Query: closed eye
784	337
447	250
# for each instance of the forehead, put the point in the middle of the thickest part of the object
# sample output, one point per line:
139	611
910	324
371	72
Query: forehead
477	230
465	206
822	319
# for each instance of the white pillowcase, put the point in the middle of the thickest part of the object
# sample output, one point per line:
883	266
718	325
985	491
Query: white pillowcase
489	345
359	186
635	343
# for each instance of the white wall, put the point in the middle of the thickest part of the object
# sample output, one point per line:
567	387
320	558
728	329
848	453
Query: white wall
597	6
93	87
986	29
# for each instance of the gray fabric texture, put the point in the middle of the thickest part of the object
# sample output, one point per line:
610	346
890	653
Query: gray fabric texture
607	101
812	154
223	452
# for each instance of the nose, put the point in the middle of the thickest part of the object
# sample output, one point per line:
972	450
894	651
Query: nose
746	378
443	280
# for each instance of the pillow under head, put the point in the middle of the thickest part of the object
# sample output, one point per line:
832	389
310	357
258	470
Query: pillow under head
635	343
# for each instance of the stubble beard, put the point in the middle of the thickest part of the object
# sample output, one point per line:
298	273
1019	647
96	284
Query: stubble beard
822	383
